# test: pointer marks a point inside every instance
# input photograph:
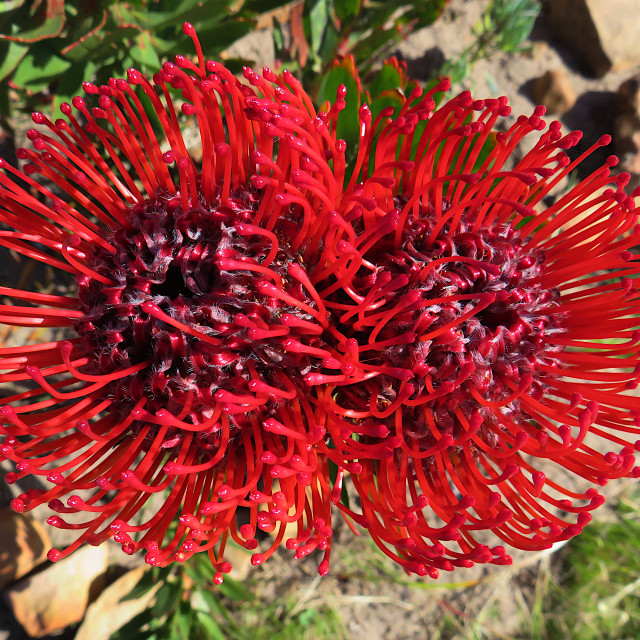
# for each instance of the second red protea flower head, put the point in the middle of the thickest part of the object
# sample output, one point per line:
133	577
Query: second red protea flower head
492	339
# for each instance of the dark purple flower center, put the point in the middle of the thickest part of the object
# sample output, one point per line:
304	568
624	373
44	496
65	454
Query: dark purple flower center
475	313
207	331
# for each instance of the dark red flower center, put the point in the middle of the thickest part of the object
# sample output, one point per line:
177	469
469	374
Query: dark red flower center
193	298
459	316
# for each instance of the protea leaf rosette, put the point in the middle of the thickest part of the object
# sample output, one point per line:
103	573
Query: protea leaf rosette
491	341
195	315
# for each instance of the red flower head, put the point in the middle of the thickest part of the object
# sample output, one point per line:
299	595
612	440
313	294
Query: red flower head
194	319
489	339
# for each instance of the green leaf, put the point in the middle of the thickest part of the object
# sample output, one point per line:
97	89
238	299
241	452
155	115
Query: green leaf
122	15
200	570
11	53
194	11
181	621
378	15
278	39
348	121
262	6
147	581
70	84
143	51
7	10
5	103
387	78
235	590
132	630
347	9
102	44
456	70
512	21
39	67
203	600
49	20
318	19
222	36
210	627
367	49
11	5
455	165
426	12
83	26
488	146
167	597
330	43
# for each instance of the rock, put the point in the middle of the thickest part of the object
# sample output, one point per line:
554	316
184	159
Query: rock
538	50
108	613
554	91
58	596
23	545
603	33
240	560
628	96
627	124
282	15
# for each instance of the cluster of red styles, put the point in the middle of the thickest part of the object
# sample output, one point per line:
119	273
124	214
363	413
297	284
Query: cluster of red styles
258	334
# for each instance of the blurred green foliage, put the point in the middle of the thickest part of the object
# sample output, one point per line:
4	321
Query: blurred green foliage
321	31
188	606
49	47
598	594
504	26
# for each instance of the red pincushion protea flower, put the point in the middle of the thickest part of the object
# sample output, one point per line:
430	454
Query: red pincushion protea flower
194	318
488	338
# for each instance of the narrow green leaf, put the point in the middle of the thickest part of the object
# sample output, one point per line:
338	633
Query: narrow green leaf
426	12
39	67
101	45
143	51
347	9
235	590
181	621
210	626
147	581
5	103
262	6
49	20
318	21
132	630
166	598
348	123
278	39
10	55
388	78
70	84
